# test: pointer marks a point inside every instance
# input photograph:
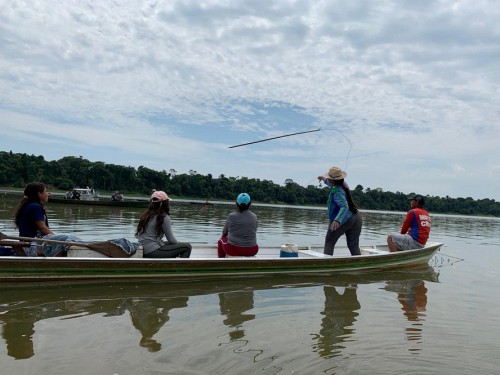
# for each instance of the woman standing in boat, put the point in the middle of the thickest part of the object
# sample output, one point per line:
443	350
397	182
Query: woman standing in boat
239	235
342	212
31	220
153	225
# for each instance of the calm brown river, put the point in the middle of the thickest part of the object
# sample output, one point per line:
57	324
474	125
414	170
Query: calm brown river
438	320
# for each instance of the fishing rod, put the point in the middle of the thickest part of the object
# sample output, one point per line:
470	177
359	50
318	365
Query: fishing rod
303	132
280	136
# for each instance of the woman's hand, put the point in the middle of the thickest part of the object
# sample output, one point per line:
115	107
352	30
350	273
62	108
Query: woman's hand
334	225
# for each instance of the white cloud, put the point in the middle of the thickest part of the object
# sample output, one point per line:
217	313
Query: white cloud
413	86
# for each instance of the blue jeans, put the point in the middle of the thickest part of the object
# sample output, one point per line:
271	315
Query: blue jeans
50	249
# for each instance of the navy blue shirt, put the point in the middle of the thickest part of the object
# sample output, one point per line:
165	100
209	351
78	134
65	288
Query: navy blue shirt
32	213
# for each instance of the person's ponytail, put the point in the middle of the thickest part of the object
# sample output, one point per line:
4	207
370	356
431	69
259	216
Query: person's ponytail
350	202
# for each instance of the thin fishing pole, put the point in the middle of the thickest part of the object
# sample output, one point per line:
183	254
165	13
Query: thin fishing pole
348	140
303	132
280	136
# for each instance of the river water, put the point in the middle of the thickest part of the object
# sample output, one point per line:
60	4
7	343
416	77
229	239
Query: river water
443	319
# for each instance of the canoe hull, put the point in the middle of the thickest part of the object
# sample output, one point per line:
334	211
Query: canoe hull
22	269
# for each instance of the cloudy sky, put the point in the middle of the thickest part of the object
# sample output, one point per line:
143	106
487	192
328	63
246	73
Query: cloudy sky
405	93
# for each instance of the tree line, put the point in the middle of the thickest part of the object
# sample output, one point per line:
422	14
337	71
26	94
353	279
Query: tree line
17	169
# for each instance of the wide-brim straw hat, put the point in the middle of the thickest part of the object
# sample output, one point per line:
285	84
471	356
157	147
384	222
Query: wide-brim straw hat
335	173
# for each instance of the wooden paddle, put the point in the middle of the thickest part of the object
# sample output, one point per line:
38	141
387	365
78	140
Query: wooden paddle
105	247
17	246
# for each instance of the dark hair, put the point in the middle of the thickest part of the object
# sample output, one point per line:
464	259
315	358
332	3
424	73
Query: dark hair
350	202
30	195
419	199
158	209
243	207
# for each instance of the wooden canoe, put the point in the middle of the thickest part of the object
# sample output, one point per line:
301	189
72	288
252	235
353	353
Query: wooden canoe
205	264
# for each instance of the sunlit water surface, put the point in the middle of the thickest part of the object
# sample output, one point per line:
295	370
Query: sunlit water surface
442	319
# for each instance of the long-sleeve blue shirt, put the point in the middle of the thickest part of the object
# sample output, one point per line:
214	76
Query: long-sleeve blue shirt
338	208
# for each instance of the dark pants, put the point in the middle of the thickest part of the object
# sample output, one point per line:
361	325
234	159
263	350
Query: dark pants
352	230
171	250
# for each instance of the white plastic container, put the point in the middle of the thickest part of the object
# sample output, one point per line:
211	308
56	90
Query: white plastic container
289	250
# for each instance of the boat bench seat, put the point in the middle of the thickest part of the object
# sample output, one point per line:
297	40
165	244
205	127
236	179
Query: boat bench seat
314	254
372	251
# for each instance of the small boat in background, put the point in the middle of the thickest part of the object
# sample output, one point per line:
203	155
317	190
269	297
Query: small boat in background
84	194
101	202
204	203
90	197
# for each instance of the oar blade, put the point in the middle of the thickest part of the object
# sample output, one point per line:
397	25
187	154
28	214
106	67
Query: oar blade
109	249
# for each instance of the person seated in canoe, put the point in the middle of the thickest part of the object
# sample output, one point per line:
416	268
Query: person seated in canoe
153	225
117	196
31	220
239	235
415	229
75	194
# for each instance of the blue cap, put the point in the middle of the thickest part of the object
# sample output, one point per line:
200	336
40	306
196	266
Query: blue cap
243	198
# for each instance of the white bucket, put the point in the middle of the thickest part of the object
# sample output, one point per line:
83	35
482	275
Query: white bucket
289	250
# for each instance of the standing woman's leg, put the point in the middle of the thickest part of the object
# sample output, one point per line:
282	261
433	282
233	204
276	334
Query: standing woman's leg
331	238
353	233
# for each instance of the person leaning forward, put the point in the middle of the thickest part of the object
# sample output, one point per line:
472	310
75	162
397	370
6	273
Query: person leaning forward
415	229
344	217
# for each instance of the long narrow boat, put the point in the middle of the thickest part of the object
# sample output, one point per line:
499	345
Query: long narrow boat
143	203
101	202
204	263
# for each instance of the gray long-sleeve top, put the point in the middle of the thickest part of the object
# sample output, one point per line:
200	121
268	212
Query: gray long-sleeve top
151	241
241	228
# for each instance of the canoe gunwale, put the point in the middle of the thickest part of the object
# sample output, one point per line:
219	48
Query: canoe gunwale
61	268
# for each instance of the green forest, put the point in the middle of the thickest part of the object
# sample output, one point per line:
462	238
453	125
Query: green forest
17	169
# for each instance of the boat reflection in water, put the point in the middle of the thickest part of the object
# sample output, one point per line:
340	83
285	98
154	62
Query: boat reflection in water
150	304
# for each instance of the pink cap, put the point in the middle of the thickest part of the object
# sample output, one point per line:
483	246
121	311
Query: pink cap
159	196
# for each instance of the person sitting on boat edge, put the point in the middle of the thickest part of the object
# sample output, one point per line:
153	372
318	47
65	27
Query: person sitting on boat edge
75	194
31	220
117	196
344	217
415	229
239	235
156	223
